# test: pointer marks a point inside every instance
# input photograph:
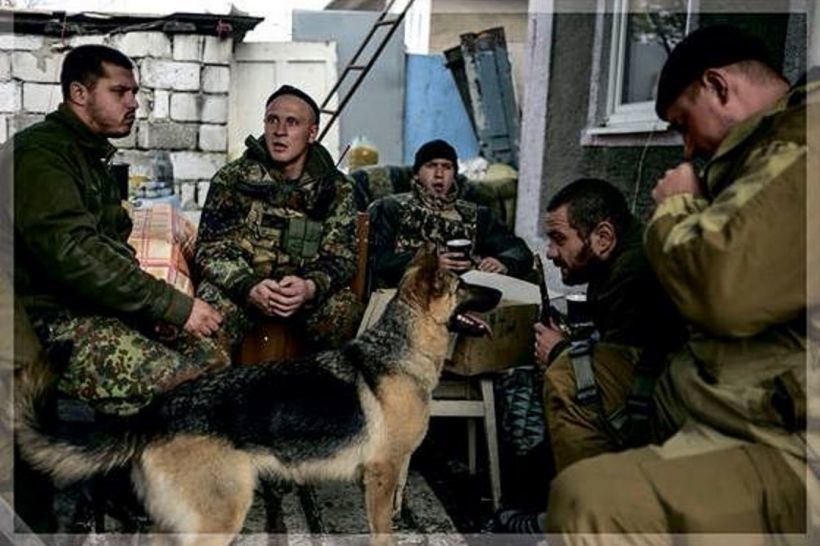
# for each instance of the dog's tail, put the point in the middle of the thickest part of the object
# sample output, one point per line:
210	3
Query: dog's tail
67	454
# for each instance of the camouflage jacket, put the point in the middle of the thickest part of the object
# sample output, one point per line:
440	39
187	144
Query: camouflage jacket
71	253
400	224
257	225
734	263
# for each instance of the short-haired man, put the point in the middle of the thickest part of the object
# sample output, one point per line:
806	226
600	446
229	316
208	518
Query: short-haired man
277	234
738	464
433	212
76	275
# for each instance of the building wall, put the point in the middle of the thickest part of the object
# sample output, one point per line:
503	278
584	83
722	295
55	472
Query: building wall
183	99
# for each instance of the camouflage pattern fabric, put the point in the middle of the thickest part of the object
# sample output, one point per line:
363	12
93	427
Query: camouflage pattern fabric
116	368
328	325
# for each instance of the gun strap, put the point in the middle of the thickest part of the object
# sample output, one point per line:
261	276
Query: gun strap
580	355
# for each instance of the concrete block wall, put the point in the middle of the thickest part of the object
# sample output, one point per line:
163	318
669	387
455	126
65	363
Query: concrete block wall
184	81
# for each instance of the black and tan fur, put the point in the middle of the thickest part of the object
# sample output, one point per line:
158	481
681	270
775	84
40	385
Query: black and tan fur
358	413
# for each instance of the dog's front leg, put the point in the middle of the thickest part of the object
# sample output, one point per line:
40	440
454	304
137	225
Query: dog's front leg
380	480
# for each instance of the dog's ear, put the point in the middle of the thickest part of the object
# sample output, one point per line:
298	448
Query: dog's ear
419	282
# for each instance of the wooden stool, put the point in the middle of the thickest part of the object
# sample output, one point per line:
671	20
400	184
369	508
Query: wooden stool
472	397
271	340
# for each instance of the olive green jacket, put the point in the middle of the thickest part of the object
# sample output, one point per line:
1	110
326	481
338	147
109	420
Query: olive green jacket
71	230
257	225
734	263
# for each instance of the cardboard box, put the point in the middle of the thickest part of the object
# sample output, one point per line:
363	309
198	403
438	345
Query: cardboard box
511	344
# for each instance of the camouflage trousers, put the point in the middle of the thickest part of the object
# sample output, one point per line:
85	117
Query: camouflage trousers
326	326
117	368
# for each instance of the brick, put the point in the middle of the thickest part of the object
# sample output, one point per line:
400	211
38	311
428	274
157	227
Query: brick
20	41
41	97
41	67
187	47
193	216
145	99
187	195
162	104
196	165
4	132
167	135
218	51
216	79
202	192
213	138
91	39
20	121
129	141
142	44
215	109
10	97
5	67
161	74
186	106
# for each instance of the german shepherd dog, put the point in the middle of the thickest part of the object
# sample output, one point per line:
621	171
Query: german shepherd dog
197	450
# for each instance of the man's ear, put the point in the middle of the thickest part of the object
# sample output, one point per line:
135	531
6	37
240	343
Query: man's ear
314	131
715	80
77	93
603	239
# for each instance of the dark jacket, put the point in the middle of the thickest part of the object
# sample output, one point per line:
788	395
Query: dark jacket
71	230
399	224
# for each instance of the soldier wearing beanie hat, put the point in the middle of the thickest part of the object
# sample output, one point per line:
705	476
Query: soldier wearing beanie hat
729	246
432	212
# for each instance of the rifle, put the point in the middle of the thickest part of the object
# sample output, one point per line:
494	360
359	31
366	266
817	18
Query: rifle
548	311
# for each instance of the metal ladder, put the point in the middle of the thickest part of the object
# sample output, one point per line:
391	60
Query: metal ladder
361	69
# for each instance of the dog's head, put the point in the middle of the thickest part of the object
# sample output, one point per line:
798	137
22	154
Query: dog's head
444	296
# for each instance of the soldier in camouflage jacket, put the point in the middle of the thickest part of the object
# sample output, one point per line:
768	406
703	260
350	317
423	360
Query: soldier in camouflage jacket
277	234
432	212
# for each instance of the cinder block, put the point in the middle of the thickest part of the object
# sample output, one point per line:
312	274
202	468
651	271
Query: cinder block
10	97
20	121
218	51
187	195
216	79
140	162
40	67
5	67
91	39
187	47
20	41
215	109
41	97
145	99
186	106
193	216
167	135
196	165
213	138
142	44
4	131
162	104
202	189
162	74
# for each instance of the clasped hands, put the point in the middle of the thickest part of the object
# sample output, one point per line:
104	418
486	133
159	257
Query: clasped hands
282	298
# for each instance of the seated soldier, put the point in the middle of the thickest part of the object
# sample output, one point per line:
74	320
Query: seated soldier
277	234
434	212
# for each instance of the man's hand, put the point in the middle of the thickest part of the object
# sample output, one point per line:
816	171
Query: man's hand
492	265
546	337
681	179
261	296
291	294
454	261
204	320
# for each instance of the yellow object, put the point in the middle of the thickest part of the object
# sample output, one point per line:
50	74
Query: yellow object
361	154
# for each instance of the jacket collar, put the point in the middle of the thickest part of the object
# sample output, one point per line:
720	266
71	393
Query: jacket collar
318	164
97	145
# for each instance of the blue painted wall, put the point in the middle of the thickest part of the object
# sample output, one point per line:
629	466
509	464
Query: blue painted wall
433	108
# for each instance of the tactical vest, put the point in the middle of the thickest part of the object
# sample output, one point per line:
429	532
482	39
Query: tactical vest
419	224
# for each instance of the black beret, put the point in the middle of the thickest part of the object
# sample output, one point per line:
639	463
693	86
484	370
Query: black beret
707	47
435	149
298	93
